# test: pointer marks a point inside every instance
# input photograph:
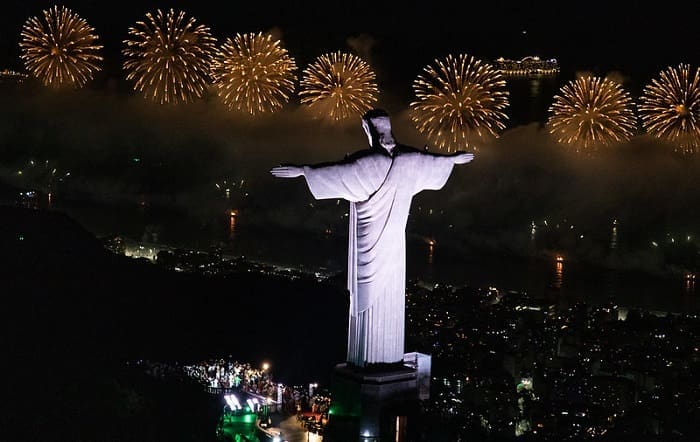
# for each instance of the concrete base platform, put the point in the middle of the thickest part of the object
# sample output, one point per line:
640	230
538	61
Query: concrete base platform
373	404
399	374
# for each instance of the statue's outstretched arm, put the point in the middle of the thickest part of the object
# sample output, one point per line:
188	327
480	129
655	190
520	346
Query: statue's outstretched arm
459	157
432	170
339	180
287	171
293	171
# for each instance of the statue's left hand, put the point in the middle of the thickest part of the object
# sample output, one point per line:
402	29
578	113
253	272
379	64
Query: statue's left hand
463	157
287	171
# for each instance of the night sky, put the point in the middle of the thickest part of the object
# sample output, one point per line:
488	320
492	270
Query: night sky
635	38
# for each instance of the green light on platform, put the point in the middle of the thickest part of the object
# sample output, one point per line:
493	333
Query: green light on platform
248	418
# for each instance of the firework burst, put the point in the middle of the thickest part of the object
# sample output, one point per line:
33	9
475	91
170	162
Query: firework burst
339	85
459	100
670	107
169	57
60	49
592	111
254	73
232	186
42	175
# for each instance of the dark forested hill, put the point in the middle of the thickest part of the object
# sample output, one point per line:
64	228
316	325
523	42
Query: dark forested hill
73	314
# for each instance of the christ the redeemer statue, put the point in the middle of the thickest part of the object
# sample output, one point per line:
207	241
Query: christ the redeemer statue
379	183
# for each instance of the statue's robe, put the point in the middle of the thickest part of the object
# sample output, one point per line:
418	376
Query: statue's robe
380	188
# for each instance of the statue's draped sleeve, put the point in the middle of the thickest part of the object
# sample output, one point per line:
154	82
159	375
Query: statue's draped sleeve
432	171
353	180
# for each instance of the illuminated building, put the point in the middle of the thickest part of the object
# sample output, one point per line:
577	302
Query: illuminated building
8	76
530	66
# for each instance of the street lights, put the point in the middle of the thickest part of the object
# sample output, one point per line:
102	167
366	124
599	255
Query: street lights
312	389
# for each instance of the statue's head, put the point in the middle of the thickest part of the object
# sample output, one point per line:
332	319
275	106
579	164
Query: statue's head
377	126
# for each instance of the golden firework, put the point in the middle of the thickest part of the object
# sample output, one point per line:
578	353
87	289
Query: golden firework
592	111
60	49
459	100
339	85
169	57
670	107
254	73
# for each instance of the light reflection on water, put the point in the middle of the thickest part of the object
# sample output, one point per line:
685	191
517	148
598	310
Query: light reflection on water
535	88
613	236
558	275
538	274
690	287
547	276
233	216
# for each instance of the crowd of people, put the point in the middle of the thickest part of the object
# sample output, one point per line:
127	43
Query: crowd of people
224	374
218	374
310	406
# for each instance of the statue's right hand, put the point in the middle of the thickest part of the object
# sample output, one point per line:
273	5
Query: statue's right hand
287	171
462	157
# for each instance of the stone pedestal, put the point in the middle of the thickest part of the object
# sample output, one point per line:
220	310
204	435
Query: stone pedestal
377	404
